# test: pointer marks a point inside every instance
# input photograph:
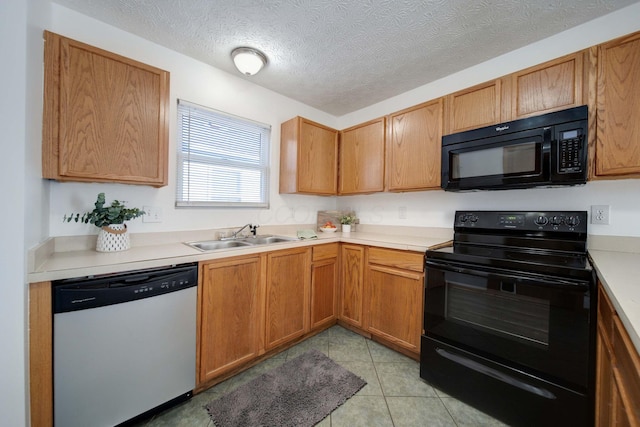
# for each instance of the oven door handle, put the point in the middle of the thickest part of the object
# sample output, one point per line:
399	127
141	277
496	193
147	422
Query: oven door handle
501	376
576	285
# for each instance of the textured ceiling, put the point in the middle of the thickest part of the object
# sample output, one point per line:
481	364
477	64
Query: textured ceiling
342	55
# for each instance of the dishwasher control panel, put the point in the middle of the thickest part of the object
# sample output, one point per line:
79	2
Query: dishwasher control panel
97	291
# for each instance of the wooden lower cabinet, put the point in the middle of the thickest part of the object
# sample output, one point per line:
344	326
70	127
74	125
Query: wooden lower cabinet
395	296
41	354
352	284
618	370
230	327
324	285
287	295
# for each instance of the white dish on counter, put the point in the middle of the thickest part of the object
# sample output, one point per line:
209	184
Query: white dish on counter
328	229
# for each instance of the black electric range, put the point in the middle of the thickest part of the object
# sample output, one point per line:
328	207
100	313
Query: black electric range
509	316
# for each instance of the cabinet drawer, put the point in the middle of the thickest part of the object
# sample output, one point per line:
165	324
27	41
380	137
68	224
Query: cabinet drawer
400	259
325	251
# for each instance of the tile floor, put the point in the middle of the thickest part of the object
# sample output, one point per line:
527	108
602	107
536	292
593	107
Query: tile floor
394	395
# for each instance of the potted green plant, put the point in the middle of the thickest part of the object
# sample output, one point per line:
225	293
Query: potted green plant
346	220
110	219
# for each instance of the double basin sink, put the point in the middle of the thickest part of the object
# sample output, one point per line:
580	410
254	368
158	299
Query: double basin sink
215	245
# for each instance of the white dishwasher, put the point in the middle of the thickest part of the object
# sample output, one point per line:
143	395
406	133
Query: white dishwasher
124	345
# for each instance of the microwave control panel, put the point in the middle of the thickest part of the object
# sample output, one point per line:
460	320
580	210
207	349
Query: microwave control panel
570	148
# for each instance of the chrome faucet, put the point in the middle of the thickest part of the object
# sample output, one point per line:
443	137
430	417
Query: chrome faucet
234	235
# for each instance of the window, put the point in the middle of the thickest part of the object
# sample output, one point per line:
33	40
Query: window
223	160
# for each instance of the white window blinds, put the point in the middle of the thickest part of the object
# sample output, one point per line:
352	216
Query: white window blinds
223	160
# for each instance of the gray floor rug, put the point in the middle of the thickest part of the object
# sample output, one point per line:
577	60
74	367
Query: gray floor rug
301	392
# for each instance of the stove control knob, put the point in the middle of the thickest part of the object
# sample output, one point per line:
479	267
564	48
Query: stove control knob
463	218
541	220
473	218
572	221
556	220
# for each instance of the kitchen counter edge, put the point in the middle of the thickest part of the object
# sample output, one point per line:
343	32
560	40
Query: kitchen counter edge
619	273
82	263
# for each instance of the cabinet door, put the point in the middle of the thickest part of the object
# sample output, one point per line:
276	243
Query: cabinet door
352	284
552	86
626	373
414	148
40	354
604	379
396	305
606	392
324	281
287	295
105	116
474	107
230	315
308	158
618	108
362	158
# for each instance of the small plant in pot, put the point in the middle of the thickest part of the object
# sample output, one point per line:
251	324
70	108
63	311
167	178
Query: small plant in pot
113	235
347	220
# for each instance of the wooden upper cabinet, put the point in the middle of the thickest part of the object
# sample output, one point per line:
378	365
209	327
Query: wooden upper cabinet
362	158
552	86
474	107
105	116
618	108
414	146
308	158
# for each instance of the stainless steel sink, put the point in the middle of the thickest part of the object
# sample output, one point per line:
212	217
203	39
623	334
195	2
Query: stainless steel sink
215	245
266	240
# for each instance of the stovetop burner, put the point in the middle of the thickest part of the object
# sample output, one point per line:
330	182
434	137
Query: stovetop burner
549	243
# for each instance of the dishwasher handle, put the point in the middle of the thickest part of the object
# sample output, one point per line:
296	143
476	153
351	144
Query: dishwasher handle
82	294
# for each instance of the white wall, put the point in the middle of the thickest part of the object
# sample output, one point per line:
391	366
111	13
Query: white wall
199	83
436	208
24	193
13	17
202	84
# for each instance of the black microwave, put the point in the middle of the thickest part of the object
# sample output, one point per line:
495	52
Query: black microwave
546	150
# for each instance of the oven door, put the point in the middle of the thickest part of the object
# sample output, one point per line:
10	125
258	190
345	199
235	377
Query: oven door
518	160
540	325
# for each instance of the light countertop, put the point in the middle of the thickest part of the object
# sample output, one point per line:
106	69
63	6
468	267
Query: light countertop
619	272
57	265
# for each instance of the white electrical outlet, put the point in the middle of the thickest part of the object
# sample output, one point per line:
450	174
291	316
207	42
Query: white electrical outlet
600	214
402	212
152	214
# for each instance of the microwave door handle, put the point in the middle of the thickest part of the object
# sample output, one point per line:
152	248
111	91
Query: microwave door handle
546	153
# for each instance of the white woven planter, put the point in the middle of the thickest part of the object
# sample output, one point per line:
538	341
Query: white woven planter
346	228
113	238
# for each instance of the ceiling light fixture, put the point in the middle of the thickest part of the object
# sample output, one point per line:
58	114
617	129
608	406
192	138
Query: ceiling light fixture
248	60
